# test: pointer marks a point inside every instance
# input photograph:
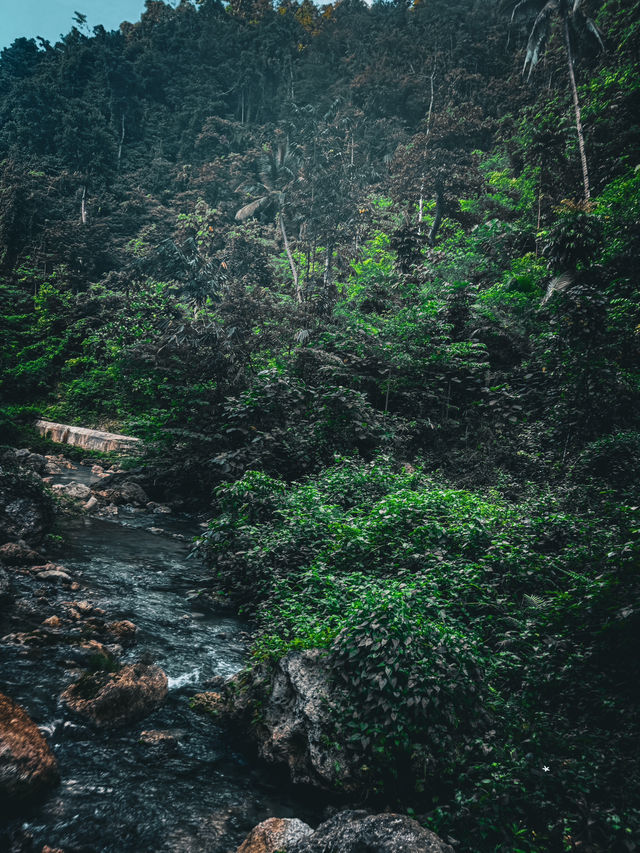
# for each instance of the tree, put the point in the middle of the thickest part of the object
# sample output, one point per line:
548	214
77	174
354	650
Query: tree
574	24
278	170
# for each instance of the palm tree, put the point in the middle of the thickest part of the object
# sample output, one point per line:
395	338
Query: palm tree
279	168
574	24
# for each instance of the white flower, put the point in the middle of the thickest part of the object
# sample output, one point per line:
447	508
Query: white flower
545	769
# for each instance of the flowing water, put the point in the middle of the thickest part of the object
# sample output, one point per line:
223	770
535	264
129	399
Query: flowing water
203	792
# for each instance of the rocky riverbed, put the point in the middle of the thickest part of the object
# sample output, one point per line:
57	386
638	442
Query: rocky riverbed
104	641
110	650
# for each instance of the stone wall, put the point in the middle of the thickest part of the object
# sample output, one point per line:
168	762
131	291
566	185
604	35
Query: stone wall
88	439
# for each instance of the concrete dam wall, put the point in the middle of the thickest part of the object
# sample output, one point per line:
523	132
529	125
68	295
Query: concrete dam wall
88	439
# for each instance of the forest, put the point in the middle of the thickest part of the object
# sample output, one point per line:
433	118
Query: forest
363	279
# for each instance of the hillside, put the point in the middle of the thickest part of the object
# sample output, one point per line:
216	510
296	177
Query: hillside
364	280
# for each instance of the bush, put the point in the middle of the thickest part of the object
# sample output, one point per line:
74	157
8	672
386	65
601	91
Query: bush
470	640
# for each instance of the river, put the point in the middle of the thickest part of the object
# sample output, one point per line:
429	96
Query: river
200	791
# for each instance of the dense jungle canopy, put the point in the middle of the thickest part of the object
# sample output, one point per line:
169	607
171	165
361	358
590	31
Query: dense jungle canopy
368	291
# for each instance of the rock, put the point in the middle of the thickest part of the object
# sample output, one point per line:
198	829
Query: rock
76	491
124	630
162	509
156	738
31	460
53	575
293	726
126	493
210	702
51	572
97	469
91	504
52	622
27	765
355	832
26	512
19	554
114	699
274	835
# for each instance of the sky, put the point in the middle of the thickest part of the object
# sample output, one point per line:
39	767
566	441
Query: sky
51	18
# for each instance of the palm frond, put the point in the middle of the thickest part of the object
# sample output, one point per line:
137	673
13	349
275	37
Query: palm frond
557	285
535	602
251	208
524	9
538	35
590	27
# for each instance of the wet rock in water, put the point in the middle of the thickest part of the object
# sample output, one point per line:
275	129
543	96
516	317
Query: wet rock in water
51	572
124	493
117	698
274	835
27	765
26	511
76	491
354	832
52	622
210	702
91	504
19	554
164	740
124	630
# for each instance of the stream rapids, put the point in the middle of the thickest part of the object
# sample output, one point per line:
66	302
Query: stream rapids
201	791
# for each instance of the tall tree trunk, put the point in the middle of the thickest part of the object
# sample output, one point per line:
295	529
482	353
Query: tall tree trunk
121	143
327	267
294	271
83	206
421	206
437	218
576	104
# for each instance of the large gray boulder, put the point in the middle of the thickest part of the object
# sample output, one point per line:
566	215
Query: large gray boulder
347	832
27	765
288	712
293	727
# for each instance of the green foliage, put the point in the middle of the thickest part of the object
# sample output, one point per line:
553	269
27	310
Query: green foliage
465	635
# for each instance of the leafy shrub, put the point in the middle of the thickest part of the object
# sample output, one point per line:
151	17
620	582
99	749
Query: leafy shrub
613	460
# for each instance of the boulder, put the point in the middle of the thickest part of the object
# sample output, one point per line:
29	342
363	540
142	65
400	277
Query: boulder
26	512
31	460
51	572
274	835
53	575
125	493
158	739
76	491
356	831
293	726
116	698
27	765
19	554
124	631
